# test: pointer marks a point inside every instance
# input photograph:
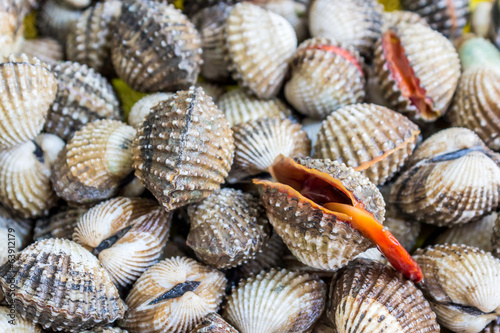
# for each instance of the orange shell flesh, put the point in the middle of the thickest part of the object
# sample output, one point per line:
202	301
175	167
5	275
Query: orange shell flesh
339	51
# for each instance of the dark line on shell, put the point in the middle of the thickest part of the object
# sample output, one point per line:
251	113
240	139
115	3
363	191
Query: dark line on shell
38	153
455	155
186	129
108	242
177	291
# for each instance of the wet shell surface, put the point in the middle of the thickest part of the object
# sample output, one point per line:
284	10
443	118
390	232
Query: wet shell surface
324	77
184	149
83	97
260	45
10	323
415	80
60	285
56	20
258	143
126	234
392	19
46	49
94	163
59	225
155	47
173	296
356	23
27	88
368	138
452	178
276	301
468	306
13	229
213	323
144	106
368	296
227	228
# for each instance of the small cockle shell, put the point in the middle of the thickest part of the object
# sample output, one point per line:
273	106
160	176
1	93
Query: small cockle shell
213	323
27	88
368	296
15	233
10	323
155	47
94	163
173	296
418	70
227	228
192	7
468	306
325	76
83	96
90	41
368	138
126	234
395	17
56	20
356	23
475	104
59	225
239	107
495	238
276	301
446	16
144	106
260	45
452	178
258	143
184	149
60	285
46	49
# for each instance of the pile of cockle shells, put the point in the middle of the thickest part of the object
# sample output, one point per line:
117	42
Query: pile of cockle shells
247	190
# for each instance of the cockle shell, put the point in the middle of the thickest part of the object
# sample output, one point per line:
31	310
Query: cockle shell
15	233
166	58
11	28
418	70
60	285
27	88
368	138
258	143
173	296
213	90
356	23
481	18
260	45
184	149
144	106
239	107
452	178
213	323
324	77
10	323
276	301
227	228
368	296
468	306
59	225
83	97
80	4
56	20
495	238
324	325
126	234
46	49
192	7
395	17
94	163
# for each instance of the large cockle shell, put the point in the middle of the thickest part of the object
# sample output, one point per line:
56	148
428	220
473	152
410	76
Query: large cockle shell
260	45
258	143
173	296
46	49
368	296
59	225
184	149
15	233
126	234
417	80
324	77
276	301
357	23
468	306
60	285
213	323
452	178
227	228
56	20
27	88
144	106
94	163
83	97
368	138
167	57
10	323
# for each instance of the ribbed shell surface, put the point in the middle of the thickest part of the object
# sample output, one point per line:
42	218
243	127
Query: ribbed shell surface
56	20
59	225
395	17
191	7
495	239
213	323
46	49
12	229
20	325
144	106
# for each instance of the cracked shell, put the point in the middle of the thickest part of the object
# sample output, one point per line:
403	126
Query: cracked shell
184	149
59	225
61	286
46	49
21	325
466	307
56	20
276	301
173	296
144	106
155	47
213	323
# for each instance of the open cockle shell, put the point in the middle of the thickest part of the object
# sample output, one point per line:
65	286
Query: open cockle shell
9	323
60	285
467	306
276	301
144	106
184	149
173	296
213	323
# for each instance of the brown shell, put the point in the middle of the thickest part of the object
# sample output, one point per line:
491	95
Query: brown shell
166	58
59	225
392	19
494	327
212	89
12	13
56	20
83	97
495	239
46	49
144	106
184	149
368	296
9	323
368	138
213	323
227	228
60	285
